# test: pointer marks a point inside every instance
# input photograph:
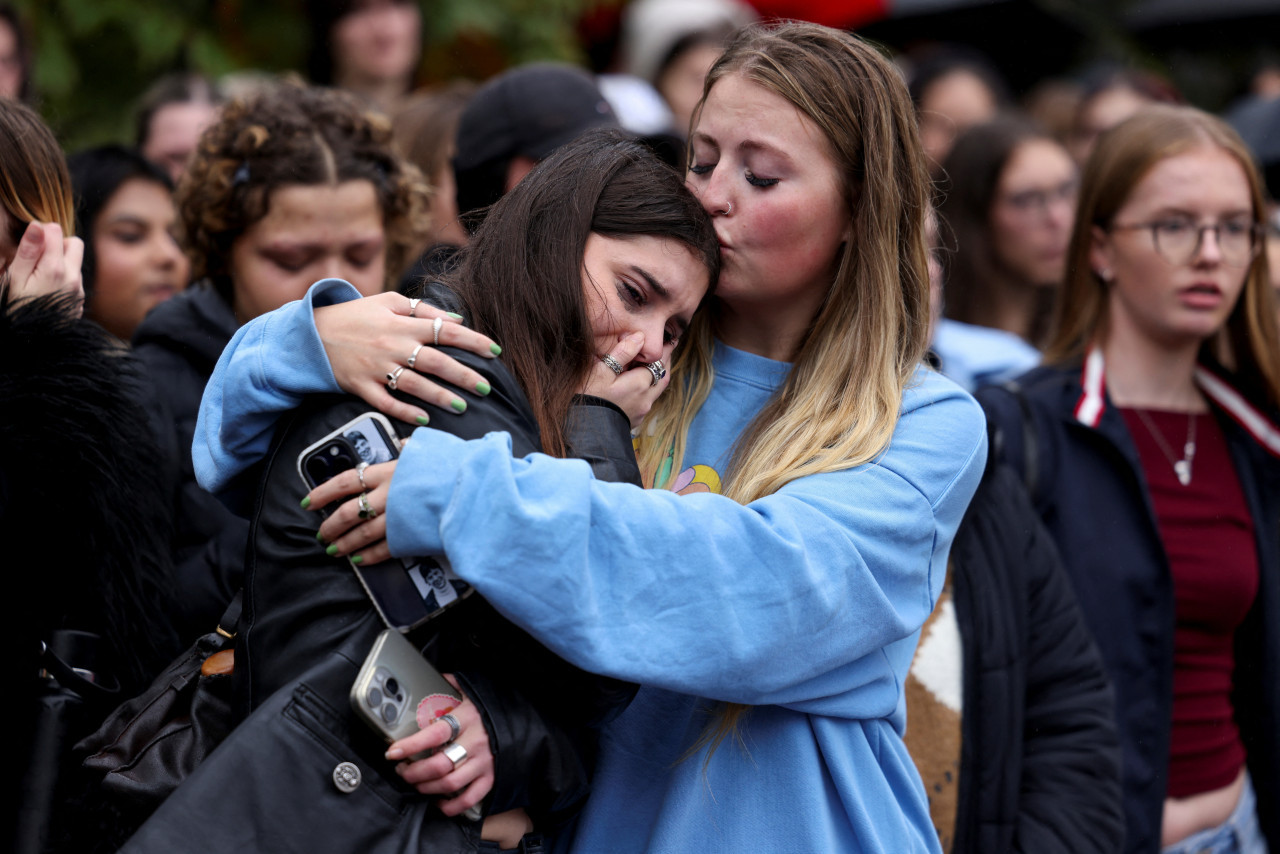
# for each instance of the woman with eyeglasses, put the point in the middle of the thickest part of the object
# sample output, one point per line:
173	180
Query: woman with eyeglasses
1150	448
1007	201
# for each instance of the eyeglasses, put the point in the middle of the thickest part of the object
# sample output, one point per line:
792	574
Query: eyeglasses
1038	201
1179	240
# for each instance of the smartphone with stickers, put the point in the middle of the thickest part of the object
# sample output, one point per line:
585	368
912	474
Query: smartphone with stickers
397	691
406	594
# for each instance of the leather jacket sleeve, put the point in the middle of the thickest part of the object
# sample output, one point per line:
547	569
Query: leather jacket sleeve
600	433
539	710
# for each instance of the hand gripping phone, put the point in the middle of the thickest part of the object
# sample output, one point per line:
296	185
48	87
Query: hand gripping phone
397	692
405	593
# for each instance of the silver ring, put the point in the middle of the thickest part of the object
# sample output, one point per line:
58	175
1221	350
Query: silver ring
455	728
435	330
657	370
413	357
612	364
728	209
360	467
456	753
393	377
367	510
413	306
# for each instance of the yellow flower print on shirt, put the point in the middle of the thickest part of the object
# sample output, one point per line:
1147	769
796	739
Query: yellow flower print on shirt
698	478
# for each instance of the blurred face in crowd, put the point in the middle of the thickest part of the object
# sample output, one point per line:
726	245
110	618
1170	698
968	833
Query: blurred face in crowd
138	263
1101	113
950	105
378	41
10	62
680	83
310	232
174	133
1175	284
1032	212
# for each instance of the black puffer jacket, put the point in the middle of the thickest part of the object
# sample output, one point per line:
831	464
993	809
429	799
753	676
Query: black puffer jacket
1040	764
307	627
178	344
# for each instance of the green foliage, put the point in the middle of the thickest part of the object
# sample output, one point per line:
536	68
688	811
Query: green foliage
94	58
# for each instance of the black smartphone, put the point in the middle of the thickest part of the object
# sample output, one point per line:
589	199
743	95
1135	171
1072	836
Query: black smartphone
405	593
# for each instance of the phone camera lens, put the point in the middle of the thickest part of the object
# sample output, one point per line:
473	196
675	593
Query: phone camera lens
375	697
390	713
392	686
318	469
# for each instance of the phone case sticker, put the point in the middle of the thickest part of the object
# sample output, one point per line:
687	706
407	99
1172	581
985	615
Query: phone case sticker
435	706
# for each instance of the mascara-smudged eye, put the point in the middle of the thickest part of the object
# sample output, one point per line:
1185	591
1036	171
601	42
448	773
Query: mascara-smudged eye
630	293
759	182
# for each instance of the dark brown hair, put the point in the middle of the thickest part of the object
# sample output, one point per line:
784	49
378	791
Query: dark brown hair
290	134
965	200
521	277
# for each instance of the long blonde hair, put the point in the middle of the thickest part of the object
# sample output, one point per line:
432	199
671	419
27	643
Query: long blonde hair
1248	343
839	405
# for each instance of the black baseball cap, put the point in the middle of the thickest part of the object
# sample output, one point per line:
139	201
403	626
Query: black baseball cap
527	111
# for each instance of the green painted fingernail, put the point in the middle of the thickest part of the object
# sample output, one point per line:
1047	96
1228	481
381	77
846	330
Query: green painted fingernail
495	349
423	420
357	559
306	502
319	536
482	388
331	550
458	405
454	315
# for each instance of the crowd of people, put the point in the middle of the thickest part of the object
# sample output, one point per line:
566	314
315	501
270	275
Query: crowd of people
779	445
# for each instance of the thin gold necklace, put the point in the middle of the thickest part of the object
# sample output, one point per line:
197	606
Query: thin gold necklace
1182	467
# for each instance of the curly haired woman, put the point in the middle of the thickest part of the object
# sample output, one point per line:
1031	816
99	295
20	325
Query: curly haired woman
291	185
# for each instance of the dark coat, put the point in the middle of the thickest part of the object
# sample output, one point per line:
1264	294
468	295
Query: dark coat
1091	493
1040	761
179	343
306	629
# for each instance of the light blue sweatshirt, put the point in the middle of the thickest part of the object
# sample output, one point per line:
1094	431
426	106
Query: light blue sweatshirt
805	604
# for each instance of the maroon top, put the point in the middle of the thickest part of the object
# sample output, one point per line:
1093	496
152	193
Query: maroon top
1214	561
1208	537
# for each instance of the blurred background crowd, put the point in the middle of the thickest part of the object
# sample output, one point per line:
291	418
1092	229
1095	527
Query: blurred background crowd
216	159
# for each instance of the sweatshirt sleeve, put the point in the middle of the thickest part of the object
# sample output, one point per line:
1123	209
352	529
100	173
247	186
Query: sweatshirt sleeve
809	598
271	363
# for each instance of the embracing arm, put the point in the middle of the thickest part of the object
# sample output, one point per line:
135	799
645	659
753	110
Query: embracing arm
268	367
330	341
794	599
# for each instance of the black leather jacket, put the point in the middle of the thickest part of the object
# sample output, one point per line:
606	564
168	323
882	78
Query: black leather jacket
308	625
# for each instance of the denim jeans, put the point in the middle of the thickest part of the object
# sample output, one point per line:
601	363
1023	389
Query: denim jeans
1239	834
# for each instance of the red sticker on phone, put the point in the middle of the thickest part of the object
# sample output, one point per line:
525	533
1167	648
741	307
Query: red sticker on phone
435	706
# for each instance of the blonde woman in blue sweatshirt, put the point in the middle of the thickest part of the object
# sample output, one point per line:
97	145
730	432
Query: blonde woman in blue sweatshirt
810	475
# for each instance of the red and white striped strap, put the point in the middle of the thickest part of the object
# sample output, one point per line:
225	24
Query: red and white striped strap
1093	401
1261	428
1094	384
